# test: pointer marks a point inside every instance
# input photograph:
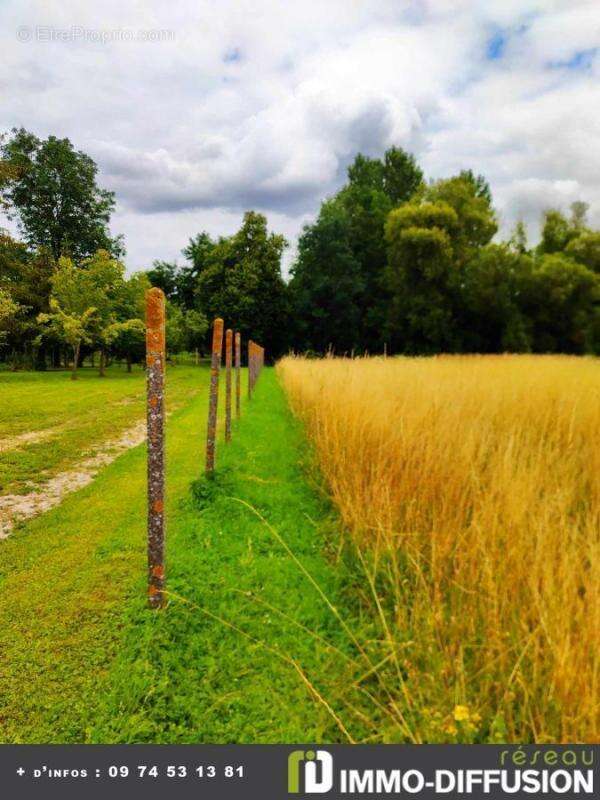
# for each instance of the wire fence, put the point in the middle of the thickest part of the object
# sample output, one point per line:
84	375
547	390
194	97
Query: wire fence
155	365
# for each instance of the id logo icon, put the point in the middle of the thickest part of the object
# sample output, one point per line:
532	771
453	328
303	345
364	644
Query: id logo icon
316	768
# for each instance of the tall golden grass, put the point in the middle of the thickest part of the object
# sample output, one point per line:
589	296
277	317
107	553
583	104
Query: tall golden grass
471	487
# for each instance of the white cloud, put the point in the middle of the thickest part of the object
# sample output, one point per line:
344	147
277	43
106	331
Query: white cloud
262	103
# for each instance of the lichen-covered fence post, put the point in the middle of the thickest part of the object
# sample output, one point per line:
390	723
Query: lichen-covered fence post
250	349
155	363
228	360
211	434
238	375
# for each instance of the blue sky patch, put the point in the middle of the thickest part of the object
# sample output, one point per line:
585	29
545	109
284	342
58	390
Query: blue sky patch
582	59
233	55
495	46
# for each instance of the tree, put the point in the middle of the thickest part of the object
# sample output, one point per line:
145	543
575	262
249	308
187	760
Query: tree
374	188
585	249
51	189
25	276
125	336
563	304
242	283
175	328
579	211
479	183
493	283
164	275
402	176
431	240
107	275
557	232
471	200
198	253
72	310
196	328
9	310
518	240
81	302
127	339
326	286
421	260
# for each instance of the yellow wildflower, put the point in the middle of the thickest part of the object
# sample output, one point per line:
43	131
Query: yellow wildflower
461	713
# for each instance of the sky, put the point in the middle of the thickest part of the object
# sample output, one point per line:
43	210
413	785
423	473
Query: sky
196	111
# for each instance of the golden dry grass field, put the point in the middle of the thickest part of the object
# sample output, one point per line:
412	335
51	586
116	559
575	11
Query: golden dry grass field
471	489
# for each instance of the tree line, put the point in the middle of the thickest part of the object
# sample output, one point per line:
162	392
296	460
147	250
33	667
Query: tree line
64	292
392	262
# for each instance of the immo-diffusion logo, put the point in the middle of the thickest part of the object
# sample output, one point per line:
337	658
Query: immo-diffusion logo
315	767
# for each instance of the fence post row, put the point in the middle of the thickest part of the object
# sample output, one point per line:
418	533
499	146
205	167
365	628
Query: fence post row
155	415
228	357
250	349
256	360
217	346
238	376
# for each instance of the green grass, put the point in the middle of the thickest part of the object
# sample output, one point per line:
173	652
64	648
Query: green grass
84	659
72	416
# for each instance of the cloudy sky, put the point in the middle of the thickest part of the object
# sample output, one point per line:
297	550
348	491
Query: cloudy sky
196	110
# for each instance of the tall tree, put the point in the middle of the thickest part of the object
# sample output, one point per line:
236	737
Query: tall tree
557	232
327	286
125	327
585	249
51	189
374	188
25	276
430	243
563	306
164	275
242	282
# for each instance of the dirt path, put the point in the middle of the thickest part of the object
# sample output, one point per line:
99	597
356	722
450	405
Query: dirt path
31	437
17	507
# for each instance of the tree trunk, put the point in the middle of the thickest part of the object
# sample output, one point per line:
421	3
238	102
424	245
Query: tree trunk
197	357
76	349
40	358
128	362
92	356
102	371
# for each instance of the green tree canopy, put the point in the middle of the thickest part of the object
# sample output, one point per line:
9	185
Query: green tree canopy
374	188
242	283
51	189
82	301
431	240
327	285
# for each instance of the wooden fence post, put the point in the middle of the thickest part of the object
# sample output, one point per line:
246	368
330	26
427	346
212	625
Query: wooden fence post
238	376
211	434
155	363
250	344
228	355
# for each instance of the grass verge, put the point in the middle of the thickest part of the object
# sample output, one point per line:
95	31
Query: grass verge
66	418
239	654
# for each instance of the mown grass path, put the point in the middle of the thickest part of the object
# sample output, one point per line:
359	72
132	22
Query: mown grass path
83	659
48	423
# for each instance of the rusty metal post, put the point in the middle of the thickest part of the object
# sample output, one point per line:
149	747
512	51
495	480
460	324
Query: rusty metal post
228	360
238	375
155	364
215	364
